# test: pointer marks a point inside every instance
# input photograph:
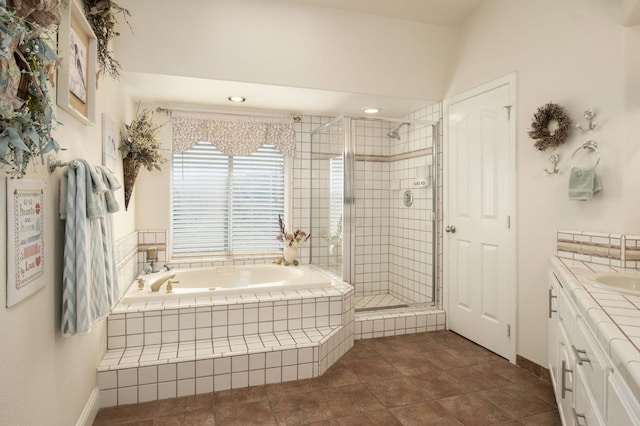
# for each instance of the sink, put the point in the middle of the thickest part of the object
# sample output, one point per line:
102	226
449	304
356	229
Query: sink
619	282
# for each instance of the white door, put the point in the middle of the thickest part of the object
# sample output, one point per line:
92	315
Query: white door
479	244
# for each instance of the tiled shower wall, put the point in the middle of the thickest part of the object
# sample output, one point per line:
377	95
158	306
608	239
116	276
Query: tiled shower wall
411	240
371	216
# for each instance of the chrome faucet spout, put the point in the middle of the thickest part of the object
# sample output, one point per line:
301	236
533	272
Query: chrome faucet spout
156	286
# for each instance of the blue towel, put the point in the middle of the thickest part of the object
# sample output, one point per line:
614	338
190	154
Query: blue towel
583	184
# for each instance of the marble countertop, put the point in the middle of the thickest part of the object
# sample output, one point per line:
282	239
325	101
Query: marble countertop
613	317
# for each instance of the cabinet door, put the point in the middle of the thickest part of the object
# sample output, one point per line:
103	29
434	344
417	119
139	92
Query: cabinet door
565	381
553	343
585	411
621	405
590	361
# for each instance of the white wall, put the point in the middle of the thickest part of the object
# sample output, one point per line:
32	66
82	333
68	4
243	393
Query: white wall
47	378
286	43
571	52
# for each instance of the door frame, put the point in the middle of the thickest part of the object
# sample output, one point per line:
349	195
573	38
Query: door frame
509	80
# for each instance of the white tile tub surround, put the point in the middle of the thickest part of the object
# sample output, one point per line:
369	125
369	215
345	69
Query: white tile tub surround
161	351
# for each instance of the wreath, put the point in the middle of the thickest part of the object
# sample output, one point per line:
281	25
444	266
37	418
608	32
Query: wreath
540	131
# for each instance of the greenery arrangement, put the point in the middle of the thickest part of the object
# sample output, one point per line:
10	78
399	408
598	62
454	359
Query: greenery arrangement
101	15
541	128
140	147
27	62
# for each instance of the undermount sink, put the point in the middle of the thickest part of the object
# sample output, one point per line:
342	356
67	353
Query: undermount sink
619	282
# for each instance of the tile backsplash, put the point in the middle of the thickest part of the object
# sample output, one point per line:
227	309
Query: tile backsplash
602	248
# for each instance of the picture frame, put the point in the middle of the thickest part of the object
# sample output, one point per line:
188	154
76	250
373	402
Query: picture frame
25	238
77	47
110	137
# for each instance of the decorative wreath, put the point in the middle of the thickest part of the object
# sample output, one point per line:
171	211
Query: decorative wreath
544	137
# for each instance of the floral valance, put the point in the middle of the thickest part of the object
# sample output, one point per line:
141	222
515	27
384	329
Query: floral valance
233	134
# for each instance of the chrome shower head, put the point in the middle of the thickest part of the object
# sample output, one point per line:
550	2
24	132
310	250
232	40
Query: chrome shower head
395	132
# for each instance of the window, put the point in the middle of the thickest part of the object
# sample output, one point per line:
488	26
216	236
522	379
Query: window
224	204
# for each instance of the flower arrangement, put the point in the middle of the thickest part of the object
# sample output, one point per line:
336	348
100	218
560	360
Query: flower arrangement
291	239
27	62
140	147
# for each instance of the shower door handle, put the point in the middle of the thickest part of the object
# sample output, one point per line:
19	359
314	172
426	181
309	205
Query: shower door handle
451	229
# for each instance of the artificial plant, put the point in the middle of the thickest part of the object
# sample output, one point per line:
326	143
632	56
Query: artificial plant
27	62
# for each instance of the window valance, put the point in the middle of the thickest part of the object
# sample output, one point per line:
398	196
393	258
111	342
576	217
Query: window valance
237	135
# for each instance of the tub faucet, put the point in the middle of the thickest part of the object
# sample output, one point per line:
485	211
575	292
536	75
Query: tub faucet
156	286
167	267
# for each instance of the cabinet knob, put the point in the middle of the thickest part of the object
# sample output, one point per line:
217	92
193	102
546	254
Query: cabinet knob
451	229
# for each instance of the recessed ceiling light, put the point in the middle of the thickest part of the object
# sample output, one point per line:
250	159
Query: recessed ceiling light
237	98
371	110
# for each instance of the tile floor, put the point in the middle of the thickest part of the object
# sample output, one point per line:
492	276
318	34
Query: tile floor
436	378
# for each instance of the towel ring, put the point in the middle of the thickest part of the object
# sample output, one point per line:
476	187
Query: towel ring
591	146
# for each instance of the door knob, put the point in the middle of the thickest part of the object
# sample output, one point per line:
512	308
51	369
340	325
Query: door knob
451	229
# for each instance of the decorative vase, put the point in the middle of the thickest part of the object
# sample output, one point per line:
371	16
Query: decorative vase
290	254
130	172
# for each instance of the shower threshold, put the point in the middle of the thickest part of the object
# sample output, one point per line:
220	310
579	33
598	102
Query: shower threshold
377	302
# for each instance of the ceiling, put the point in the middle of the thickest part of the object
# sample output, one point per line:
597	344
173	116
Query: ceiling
447	13
173	91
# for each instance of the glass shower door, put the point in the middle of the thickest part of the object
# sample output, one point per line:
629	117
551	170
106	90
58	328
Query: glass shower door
327	197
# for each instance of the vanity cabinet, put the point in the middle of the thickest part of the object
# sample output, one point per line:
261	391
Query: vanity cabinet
588	389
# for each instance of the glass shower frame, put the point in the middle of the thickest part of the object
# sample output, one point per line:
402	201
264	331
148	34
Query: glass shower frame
344	132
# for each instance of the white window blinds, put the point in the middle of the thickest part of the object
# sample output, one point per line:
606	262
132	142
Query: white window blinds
225	204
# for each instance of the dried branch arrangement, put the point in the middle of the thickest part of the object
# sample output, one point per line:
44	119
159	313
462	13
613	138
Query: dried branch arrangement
101	15
291	239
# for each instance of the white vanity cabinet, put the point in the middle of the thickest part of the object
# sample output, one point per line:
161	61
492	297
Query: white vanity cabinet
589	390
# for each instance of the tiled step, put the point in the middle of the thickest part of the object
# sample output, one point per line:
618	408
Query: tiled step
140	374
396	322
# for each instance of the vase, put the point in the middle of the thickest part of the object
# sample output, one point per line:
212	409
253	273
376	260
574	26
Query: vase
290	254
130	172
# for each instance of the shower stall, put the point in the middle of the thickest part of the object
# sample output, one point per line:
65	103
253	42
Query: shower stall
373	208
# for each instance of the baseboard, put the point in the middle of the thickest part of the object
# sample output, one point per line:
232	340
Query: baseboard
534	368
90	410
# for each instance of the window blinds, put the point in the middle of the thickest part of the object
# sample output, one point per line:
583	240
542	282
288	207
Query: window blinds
226	204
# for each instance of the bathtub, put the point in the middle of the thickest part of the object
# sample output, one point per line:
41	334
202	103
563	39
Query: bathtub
230	280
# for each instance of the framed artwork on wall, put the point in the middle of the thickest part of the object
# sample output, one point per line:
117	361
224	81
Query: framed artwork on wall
109	142
25	238
76	87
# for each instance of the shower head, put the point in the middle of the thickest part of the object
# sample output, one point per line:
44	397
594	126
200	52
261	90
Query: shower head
395	132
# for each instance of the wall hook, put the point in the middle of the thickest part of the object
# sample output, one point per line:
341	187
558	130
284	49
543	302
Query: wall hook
589	115
555	158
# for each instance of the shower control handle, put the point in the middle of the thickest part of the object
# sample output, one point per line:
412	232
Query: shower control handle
451	229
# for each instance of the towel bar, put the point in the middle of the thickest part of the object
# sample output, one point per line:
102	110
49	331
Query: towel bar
591	146
53	163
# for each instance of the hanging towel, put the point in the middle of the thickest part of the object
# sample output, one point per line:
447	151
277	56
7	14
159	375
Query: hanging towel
110	205
583	184
90	284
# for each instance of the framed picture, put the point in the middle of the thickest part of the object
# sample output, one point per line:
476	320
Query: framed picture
25	238
76	88
110	137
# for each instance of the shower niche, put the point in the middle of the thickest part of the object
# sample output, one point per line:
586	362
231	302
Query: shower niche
365	230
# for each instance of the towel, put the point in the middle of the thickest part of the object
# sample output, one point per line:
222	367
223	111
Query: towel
90	284
112	184
583	184
110	205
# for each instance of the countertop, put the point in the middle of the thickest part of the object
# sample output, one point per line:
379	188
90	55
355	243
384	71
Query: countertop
613	317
